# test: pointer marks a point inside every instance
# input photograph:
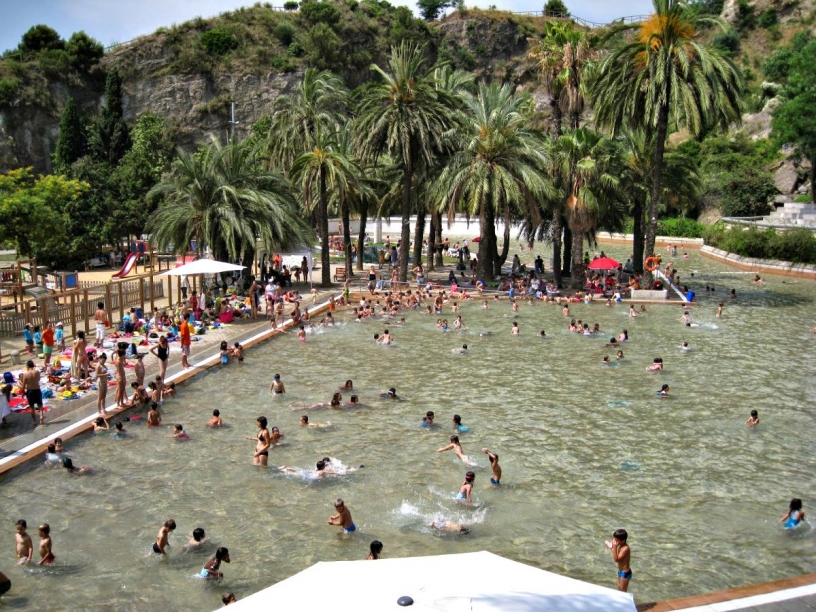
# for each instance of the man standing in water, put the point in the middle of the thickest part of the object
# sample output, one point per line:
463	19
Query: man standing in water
261	456
620	554
342	518
101	318
185	335
30	385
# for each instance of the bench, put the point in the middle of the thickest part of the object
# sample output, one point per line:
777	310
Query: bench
340	274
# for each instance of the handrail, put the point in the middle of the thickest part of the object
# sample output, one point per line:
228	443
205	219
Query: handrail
580	20
662	276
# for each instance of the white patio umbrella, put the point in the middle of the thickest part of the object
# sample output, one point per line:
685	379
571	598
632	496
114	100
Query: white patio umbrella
203	266
472	582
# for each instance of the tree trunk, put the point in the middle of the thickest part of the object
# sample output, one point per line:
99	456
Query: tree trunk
557	231
502	257
813	179
347	239
657	177
361	235
431	243
557	116
637	239
577	257
487	243
419	235
567	247
405	236
438	239
325	264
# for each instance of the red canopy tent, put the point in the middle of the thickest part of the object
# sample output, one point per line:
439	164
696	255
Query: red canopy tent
604	263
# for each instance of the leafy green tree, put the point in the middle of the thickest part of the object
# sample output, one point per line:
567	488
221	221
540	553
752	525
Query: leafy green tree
405	116
224	199
589	167
33	209
499	168
556	8
41	38
72	142
794	121
664	73
319	172
84	51
139	170
430	10
111	136
322	47
320	12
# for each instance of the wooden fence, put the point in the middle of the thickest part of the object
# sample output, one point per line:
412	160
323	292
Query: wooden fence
75	308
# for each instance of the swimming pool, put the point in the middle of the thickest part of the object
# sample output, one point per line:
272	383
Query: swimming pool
585	449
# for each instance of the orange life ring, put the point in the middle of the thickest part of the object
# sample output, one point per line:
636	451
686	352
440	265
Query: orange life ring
651	263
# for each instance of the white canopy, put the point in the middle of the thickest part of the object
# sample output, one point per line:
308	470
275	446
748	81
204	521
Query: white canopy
477	582
202	266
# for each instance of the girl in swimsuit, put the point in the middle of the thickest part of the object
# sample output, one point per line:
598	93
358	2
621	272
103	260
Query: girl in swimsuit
467	487
261	456
161	351
795	514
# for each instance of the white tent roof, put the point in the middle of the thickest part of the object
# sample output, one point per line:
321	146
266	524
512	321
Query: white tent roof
477	582
202	266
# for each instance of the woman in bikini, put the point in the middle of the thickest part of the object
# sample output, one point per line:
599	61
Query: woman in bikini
261	456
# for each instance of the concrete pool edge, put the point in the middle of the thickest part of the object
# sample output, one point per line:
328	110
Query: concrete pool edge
38	447
739	598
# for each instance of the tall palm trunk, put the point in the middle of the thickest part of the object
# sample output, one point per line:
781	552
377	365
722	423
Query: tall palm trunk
657	177
419	235
557	231
487	242
438	239
568	237
577	257
637	239
431	243
557	224
502	257
405	236
323	219
347	239
361	234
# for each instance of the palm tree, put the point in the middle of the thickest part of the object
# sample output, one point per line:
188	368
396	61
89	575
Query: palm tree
563	57
680	184
588	164
500	167
317	172
224	199
663	73
405	116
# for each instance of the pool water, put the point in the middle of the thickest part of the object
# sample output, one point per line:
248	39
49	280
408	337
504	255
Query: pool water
585	449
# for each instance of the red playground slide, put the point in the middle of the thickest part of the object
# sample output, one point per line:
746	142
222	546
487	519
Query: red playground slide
127	267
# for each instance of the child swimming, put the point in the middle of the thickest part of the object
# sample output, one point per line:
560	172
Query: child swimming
456	447
795	514
753	420
466	490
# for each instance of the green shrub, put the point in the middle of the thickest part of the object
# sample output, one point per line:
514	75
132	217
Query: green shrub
680	227
767	18
747	193
795	246
290	5
320	12
746	16
54	62
727	42
296	50
285	33
281	64
8	90
218	42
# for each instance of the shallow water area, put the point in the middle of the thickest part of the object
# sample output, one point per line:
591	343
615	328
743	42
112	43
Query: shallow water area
585	449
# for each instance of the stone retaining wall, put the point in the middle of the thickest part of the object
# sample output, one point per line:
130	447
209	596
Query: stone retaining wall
769	266
693	243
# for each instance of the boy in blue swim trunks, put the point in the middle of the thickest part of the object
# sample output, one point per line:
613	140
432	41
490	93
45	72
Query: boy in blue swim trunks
620	554
494	464
342	518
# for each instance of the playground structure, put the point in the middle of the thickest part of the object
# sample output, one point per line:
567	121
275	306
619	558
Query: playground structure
137	249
